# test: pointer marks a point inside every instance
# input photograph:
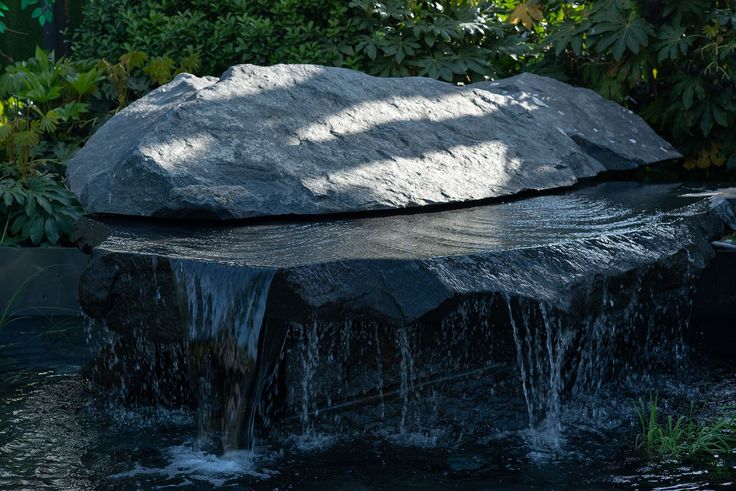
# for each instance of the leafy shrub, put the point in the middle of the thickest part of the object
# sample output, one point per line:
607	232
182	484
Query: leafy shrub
221	33
42	123
48	108
36	210
459	41
672	62
136	74
43	110
450	39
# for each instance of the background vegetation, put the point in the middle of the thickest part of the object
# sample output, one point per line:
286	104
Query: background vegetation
48	108
673	62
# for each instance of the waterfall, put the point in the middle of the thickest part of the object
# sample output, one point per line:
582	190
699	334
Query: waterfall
310	361
629	330
406	370
222	308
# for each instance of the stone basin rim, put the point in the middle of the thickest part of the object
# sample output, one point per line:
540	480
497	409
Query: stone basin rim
123	228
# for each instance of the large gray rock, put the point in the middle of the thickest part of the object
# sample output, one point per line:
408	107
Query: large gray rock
304	139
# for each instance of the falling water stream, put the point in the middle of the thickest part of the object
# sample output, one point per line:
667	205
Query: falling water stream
223	309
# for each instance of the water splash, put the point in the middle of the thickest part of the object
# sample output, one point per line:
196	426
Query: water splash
379	370
187	464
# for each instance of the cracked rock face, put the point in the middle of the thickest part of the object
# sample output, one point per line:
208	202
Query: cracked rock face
304	139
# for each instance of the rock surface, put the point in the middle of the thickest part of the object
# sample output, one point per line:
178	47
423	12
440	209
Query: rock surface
303	139
397	269
206	313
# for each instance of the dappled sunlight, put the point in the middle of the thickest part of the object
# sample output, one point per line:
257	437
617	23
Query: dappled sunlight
456	186
172	153
293	136
368	114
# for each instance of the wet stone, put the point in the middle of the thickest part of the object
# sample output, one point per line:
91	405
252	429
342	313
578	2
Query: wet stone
299	319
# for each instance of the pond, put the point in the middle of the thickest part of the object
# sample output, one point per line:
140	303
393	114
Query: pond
57	431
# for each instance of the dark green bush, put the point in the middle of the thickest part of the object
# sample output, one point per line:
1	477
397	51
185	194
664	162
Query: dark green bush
222	33
451	39
673	62
44	118
48	108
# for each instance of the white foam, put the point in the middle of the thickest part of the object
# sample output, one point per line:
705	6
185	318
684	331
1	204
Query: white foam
187	462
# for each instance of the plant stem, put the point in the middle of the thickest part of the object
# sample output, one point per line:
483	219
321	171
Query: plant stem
5	230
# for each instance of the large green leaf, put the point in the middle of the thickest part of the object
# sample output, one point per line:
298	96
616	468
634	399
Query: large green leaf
36	230
567	34
672	42
52	230
621	32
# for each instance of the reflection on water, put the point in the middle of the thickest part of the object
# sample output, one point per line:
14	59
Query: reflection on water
57	432
602	210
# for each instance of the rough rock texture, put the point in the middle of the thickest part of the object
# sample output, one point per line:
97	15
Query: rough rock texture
205	313
303	139
606	131
397	269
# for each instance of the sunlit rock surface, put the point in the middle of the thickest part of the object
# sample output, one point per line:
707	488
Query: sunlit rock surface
304	139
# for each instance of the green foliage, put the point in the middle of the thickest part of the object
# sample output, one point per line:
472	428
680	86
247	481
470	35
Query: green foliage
36	210
220	33
135	74
43	11
457	40
672	62
43	105
684	436
3	8
48	108
454	41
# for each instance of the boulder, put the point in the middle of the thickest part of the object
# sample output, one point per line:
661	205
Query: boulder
308	140
397	269
217	313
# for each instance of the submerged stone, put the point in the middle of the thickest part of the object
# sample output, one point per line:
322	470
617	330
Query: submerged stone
237	302
304	139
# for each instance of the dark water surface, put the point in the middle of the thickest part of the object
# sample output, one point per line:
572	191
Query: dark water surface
56	432
609	208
